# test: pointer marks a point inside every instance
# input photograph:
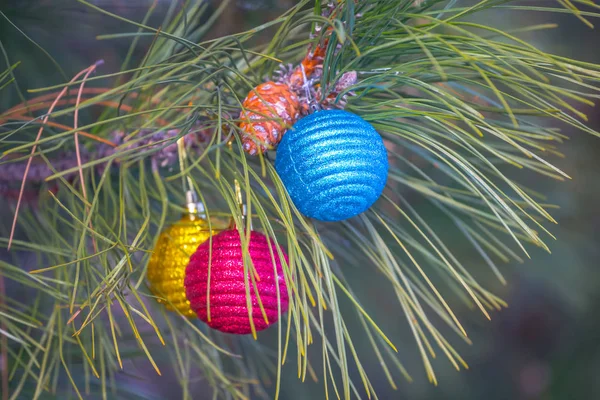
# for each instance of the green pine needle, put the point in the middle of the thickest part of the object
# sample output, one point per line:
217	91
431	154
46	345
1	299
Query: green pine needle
463	108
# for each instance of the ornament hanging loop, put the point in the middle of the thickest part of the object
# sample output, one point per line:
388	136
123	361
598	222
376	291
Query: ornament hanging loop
241	206
239	199
313	104
193	205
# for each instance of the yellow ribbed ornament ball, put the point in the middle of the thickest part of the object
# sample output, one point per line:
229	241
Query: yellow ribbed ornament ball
166	268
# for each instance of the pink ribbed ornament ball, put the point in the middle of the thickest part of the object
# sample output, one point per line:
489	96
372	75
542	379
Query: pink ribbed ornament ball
228	306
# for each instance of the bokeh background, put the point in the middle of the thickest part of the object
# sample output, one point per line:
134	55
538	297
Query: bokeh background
545	345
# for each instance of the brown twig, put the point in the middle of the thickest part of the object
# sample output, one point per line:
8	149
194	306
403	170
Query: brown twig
25	107
18	111
33	149
3	345
76	137
44	104
66	128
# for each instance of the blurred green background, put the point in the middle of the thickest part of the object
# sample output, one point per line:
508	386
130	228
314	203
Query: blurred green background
546	345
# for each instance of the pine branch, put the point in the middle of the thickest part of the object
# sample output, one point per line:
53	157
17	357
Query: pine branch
458	104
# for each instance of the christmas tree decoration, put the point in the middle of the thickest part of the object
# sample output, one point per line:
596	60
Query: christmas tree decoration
473	103
333	164
166	268
216	269
269	110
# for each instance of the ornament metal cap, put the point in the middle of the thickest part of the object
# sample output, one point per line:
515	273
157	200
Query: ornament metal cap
194	206
242	207
313	104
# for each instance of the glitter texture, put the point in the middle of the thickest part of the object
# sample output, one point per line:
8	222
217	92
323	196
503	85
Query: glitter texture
333	164
228	306
166	269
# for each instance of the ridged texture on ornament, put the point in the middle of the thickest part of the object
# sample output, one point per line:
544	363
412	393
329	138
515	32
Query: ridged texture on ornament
228	307
333	164
269	110
166	268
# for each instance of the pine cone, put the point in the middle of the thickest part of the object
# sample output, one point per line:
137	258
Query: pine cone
269	110
310	64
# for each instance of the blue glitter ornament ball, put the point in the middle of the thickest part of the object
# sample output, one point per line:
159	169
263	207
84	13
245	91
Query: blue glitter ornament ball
333	164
